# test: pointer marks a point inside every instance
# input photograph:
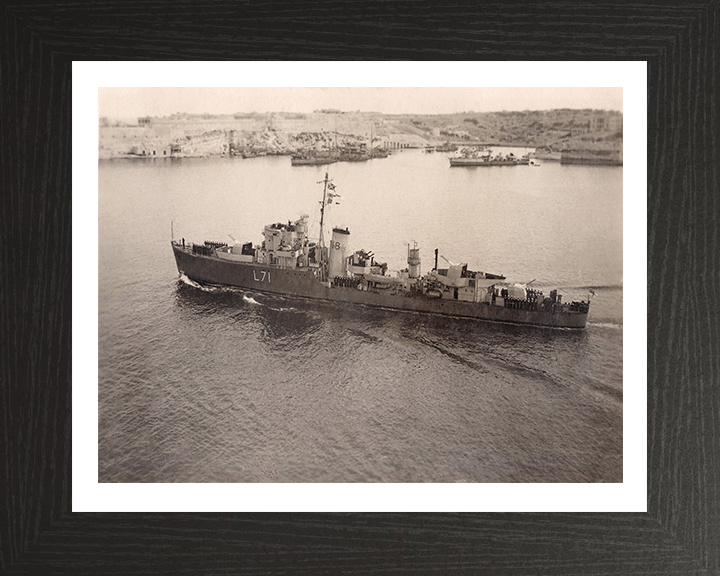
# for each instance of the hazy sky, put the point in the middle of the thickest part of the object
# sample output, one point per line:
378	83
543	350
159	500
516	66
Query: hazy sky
133	102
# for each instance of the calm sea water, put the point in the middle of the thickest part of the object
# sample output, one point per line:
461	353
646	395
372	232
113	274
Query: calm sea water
209	384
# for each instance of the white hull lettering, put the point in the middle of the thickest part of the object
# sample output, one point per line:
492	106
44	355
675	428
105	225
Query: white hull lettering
264	276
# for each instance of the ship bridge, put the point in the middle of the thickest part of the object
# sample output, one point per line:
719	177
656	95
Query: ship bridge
286	245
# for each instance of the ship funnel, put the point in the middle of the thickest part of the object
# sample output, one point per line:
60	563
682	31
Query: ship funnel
413	261
338	248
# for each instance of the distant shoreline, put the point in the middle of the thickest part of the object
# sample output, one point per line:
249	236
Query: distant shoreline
284	133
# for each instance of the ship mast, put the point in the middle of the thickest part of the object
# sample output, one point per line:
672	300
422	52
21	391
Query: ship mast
321	243
322	209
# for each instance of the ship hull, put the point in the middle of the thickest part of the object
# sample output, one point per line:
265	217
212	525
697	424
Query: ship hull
303	283
312	161
587	161
479	162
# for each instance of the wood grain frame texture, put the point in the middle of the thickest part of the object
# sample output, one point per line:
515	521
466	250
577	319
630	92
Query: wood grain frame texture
680	532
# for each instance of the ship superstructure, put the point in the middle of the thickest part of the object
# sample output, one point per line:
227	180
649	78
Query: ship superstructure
483	157
289	262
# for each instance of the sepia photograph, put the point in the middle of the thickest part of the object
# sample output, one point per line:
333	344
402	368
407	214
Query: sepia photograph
360	285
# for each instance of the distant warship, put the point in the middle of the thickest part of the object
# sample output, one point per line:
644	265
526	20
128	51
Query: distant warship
475	157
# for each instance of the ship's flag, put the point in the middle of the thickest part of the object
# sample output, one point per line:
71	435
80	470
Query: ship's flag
591	291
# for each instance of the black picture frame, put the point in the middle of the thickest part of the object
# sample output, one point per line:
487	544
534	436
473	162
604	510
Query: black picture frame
680	532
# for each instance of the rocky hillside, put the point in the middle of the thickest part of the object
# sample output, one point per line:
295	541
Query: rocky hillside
558	130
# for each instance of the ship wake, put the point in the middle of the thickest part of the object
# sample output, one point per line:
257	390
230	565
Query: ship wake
213	288
185	280
611	325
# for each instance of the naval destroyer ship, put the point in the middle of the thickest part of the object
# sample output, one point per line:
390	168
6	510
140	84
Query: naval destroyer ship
290	263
